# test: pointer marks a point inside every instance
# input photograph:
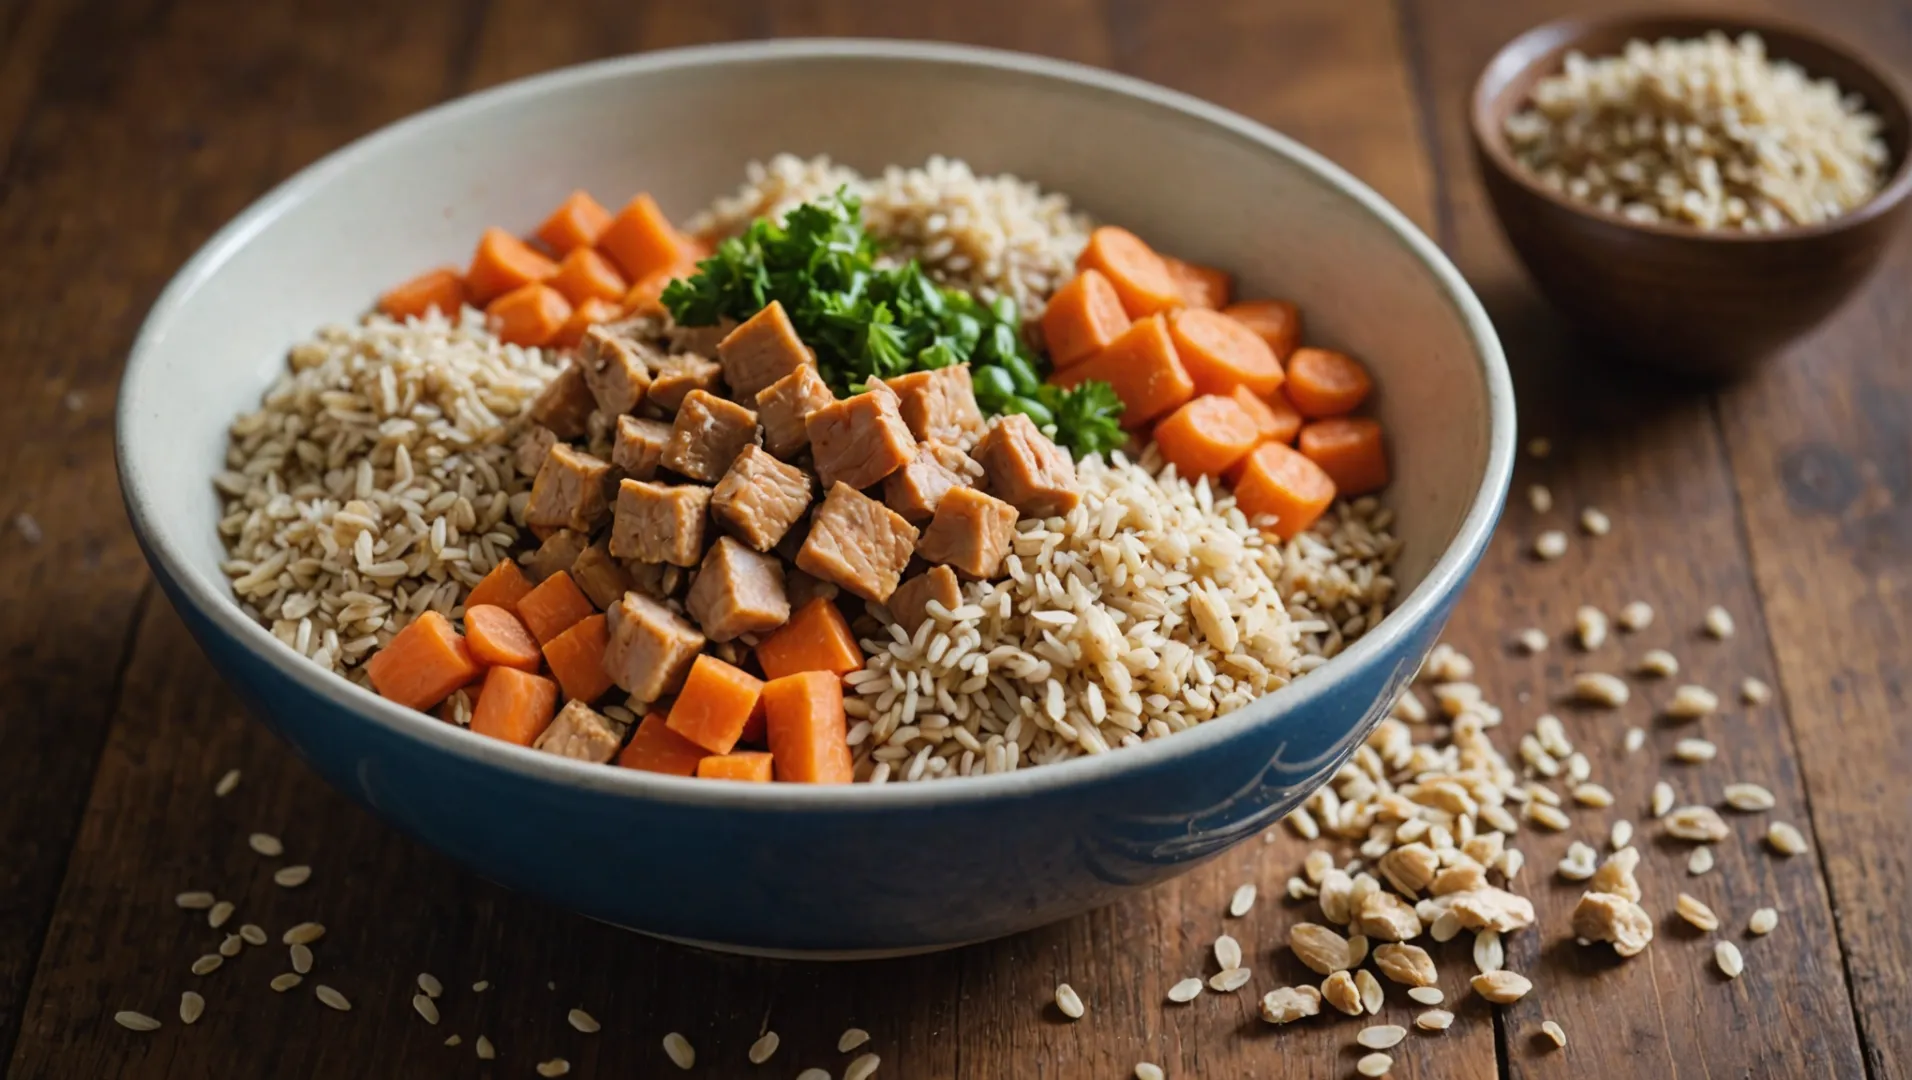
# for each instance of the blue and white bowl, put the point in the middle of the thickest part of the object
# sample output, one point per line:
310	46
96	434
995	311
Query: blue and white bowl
787	869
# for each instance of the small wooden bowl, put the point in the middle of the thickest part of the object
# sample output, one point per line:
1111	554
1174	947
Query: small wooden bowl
1702	303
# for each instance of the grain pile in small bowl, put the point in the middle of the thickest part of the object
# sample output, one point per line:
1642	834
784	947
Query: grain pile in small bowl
1708	132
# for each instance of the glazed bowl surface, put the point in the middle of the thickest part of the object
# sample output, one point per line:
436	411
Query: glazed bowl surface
792	869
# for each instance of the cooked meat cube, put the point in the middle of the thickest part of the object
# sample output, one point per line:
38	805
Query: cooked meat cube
857	543
914	490
909	604
939	405
580	732
677	376
760	498
763	349
570	491
970	532
615	369
640	446
783	405
707	436
701	340
599	576
659	523
559	551
860	439
801	588
737	592
1026	470
565	403
533	445
651	647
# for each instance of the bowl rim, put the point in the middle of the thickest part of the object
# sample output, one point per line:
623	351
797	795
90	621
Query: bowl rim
1572	29
213	602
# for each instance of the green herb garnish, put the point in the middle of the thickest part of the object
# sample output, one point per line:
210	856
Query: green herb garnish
868	321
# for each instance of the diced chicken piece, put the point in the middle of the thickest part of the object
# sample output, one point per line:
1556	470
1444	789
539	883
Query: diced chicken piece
659	523
707	436
1026	470
738	591
783	405
914	490
615	368
570	491
565	403
533	445
803	588
677	376
599	576
761	350
971	533
909	604
651	647
860	439
857	543
939	405
559	551
582	733
640	446
760	498
701	340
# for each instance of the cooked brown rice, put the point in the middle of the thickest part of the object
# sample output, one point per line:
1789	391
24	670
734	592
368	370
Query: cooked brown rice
1152	607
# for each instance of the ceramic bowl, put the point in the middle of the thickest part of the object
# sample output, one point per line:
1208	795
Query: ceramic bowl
789	869
1704	304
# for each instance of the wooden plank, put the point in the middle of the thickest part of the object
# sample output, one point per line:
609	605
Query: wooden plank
1654	463
1818	444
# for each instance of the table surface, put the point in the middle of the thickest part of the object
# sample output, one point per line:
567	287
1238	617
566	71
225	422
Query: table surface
132	130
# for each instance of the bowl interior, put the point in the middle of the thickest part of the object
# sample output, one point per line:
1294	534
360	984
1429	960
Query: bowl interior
1507	84
683	125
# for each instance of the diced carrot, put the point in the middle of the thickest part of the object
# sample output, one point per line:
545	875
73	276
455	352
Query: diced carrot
1351	450
577	223
576	658
503	587
530	315
1142	367
497	638
807	728
1274	418
1082	317
556	605
815	639
1322	382
1139	275
753	765
656	748
514	705
646	294
715	704
1277	322
1201	286
1206	436
1221	354
640	239
503	263
583	317
1280	481
422	663
584	275
443	289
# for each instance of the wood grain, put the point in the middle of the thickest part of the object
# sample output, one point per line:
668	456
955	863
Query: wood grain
1820	446
1652	460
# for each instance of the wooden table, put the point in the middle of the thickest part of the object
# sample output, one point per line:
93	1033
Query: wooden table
132	130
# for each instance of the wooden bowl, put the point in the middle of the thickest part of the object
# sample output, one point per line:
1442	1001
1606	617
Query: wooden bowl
1702	303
